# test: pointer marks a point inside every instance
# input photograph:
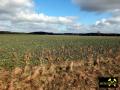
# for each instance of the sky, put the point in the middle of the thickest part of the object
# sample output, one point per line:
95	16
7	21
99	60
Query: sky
60	16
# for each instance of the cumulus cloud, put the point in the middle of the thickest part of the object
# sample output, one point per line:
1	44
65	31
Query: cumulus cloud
109	25
98	5
12	7
105	25
22	17
33	17
19	15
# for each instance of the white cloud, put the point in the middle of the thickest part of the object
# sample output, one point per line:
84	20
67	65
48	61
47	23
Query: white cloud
108	25
33	17
103	22
105	25
19	15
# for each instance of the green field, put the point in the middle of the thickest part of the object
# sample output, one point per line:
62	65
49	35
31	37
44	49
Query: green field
43	62
42	47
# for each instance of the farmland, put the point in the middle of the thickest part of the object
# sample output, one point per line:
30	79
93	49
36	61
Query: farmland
43	62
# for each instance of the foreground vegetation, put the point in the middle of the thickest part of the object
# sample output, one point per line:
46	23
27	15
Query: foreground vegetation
34	62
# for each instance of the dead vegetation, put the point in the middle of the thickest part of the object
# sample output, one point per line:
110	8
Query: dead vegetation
67	75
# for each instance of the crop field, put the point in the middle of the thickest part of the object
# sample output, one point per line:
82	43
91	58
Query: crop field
43	62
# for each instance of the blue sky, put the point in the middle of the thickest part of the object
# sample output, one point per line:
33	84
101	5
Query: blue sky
67	8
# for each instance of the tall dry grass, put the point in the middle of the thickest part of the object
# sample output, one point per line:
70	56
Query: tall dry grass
70	75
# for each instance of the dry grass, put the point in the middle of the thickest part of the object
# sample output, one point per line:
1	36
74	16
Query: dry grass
70	75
